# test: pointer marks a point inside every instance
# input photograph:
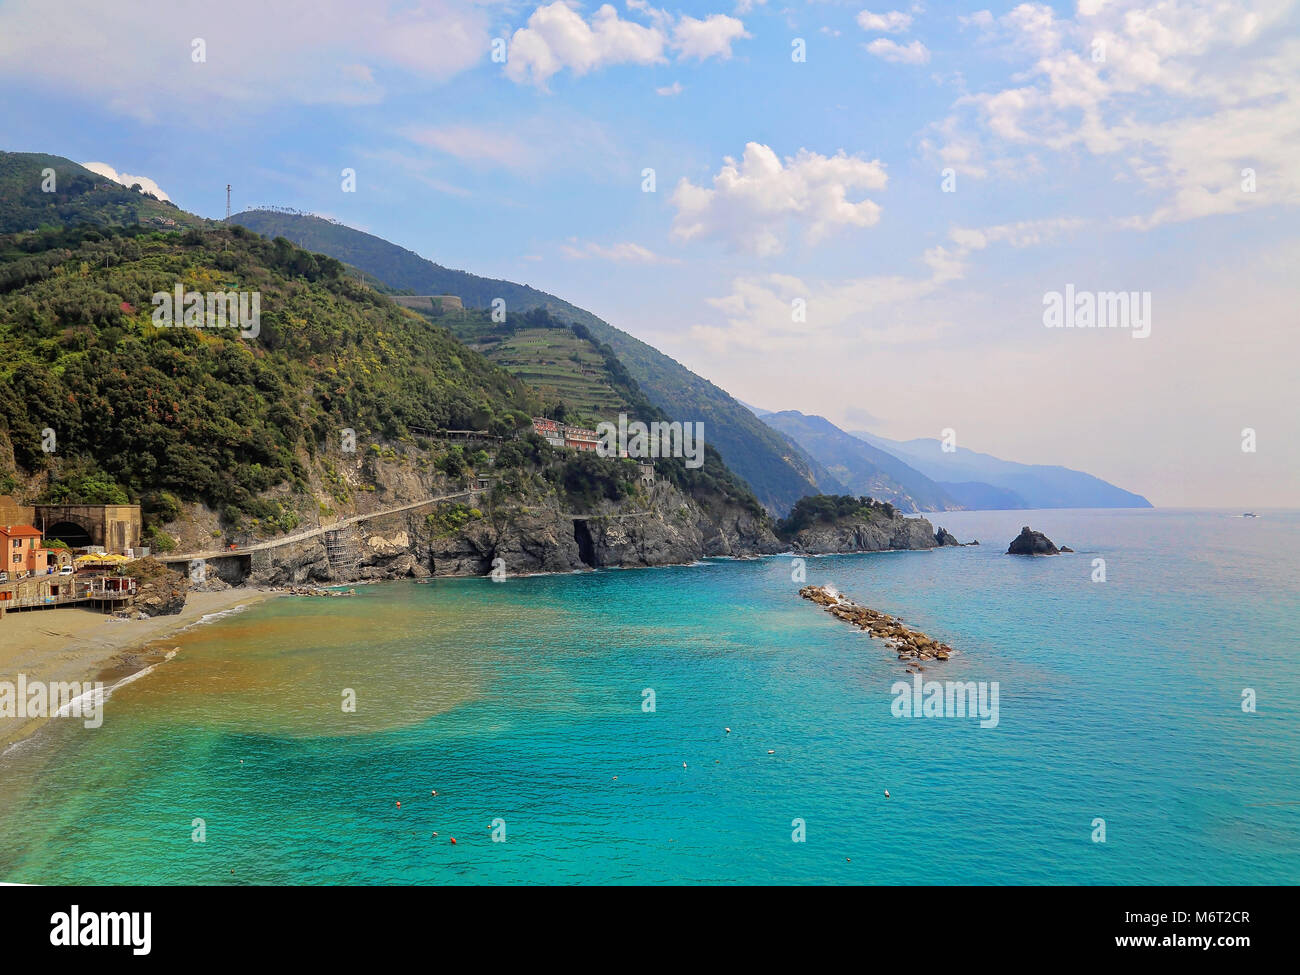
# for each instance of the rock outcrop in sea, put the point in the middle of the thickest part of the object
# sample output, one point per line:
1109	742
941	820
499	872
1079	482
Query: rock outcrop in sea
1030	542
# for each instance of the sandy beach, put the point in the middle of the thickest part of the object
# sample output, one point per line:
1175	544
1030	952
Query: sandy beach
80	644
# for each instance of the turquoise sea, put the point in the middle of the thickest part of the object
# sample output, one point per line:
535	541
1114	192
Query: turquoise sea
523	702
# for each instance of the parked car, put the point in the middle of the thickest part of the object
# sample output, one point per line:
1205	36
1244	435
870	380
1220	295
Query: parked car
66	570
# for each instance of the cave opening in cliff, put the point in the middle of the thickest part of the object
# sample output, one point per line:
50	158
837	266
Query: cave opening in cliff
586	547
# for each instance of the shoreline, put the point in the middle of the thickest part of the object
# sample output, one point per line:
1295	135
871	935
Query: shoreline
80	644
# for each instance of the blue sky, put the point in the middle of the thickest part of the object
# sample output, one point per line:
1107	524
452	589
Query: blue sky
1101	145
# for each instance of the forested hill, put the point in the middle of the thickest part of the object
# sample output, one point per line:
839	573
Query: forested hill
103	405
199	412
31	198
778	472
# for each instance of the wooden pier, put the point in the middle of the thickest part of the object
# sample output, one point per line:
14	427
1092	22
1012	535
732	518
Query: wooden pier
51	591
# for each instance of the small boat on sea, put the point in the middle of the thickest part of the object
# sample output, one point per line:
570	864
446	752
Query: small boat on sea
1249	514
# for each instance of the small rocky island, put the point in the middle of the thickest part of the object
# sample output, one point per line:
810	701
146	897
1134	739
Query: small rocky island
910	644
827	524
1030	542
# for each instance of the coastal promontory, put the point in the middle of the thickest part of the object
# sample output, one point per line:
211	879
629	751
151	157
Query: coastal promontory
827	524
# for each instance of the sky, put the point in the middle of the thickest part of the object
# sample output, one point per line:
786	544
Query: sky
855	211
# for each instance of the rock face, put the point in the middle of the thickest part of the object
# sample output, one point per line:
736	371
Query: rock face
537	535
534	527
944	537
877	535
1030	542
160	591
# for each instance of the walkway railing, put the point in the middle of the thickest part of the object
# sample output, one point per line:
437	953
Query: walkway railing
314	532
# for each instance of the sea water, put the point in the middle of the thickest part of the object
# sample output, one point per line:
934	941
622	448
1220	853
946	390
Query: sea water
573	726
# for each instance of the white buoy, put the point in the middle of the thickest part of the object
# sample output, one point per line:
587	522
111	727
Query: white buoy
886	793
728	731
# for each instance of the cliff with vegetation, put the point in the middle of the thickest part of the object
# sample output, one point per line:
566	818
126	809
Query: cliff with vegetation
337	407
835	524
776	471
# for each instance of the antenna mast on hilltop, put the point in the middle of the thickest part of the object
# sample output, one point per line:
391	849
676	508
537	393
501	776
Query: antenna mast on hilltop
227	201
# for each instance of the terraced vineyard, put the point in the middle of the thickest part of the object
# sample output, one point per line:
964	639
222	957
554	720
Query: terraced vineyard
560	362
560	365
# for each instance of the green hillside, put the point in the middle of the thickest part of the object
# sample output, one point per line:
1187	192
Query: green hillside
79	196
776	470
588	386
103	404
562	363
200	412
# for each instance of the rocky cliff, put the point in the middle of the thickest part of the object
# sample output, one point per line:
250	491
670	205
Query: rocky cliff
870	535
660	527
527	523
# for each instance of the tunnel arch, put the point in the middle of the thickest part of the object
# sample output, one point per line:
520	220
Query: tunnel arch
69	532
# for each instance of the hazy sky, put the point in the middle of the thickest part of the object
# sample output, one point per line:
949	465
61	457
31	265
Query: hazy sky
799	154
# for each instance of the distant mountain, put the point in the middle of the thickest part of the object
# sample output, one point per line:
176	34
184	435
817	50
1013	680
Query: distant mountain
978	496
862	469
1034	485
777	471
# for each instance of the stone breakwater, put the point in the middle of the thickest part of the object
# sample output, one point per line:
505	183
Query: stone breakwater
912	645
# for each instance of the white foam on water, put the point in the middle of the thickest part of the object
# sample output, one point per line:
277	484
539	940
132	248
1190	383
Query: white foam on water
213	617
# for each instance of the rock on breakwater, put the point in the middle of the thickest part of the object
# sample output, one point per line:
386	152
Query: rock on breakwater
910	644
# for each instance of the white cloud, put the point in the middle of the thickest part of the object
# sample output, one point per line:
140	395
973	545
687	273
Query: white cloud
126	179
558	37
669	90
753	202
757	315
622	253
473	143
303	51
711	37
948	262
1179	97
980	18
892	22
877	309
912	53
458	154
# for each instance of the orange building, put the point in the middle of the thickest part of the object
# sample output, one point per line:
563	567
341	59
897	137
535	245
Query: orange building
550	430
21	553
576	438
